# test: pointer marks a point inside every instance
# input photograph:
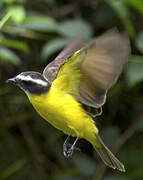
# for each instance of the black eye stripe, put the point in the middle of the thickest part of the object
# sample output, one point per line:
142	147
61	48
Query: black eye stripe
27	82
33	82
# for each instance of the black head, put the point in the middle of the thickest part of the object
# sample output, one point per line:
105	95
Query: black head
31	82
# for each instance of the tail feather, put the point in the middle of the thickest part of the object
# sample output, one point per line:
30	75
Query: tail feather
108	157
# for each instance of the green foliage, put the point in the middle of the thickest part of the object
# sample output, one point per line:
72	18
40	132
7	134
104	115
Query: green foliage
84	164
12	169
40	23
134	71
18	14
123	12
20	45
6	55
5	19
75	28
52	46
139	42
110	135
31	35
138	5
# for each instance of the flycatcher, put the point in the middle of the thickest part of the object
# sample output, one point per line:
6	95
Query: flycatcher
73	88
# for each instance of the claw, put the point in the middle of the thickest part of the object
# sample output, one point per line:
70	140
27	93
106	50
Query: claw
68	152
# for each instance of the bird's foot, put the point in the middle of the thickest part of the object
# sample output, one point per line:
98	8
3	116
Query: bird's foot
68	149
70	152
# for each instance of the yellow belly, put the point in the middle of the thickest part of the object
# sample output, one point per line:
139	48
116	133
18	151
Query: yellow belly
64	113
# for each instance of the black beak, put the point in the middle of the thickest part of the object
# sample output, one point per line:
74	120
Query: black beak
13	80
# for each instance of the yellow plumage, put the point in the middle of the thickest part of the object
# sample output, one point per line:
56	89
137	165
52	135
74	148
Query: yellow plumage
61	109
76	83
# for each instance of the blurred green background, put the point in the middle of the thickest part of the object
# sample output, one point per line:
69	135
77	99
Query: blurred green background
32	33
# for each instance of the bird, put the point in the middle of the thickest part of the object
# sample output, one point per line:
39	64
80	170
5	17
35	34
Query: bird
72	89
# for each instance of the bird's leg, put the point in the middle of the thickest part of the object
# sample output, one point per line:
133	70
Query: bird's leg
71	149
65	146
68	152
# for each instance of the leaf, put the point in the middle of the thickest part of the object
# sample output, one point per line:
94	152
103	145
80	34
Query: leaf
138	5
84	164
121	9
5	19
76	28
135	70
14	44
40	23
9	1
18	13
6	55
139	42
12	169
53	46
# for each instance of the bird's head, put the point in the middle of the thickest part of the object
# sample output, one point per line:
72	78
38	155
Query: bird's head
31	82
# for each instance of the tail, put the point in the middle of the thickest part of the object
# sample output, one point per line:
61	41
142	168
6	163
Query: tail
108	157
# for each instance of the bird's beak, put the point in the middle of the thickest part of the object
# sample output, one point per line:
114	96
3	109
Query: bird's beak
13	80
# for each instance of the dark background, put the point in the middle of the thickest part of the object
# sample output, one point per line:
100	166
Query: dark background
32	32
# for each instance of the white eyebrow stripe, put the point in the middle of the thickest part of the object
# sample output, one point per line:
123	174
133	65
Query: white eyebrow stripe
29	78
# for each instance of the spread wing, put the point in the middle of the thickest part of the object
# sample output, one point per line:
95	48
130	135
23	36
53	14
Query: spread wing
96	68
101	66
51	70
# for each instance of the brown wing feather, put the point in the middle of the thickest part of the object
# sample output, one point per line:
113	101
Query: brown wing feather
101	67
51	70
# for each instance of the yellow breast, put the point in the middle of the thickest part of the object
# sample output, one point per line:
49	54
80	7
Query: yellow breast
59	106
63	112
